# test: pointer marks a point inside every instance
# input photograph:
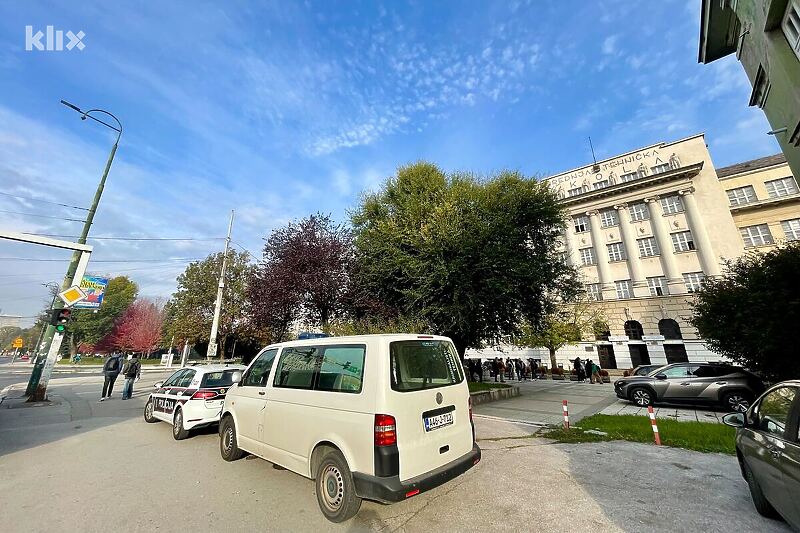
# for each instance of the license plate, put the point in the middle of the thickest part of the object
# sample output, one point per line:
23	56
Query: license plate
438	421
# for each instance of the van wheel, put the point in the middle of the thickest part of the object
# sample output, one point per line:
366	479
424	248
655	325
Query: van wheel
641	397
761	504
336	493
178	433
228	446
148	412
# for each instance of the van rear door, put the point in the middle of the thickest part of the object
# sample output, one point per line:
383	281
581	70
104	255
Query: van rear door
430	403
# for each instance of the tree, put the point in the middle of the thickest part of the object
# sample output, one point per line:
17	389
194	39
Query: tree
749	314
89	327
470	257
566	324
304	274
139	328
188	314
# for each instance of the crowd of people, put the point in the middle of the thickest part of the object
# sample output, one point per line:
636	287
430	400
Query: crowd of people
523	370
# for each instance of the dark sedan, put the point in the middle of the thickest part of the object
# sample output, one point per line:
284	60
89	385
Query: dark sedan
768	449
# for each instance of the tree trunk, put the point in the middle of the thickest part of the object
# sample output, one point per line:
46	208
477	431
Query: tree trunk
553	364
73	347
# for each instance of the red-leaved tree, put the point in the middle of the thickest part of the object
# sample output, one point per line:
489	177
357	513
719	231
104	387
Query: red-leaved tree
139	327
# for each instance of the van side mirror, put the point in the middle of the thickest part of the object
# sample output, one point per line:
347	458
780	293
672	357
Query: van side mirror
734	420
661	376
236	377
158	384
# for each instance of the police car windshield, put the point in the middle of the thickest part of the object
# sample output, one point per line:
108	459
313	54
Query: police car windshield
223	378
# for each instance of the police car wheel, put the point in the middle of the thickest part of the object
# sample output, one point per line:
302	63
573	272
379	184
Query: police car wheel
148	412
336	492
178	432
228	447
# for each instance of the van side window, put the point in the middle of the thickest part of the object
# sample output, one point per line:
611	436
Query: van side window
342	368
258	375
296	367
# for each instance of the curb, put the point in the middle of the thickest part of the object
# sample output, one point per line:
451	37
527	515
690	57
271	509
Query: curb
494	395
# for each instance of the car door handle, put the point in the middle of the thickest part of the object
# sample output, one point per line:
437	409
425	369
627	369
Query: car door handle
721	383
686	383
775	452
261	393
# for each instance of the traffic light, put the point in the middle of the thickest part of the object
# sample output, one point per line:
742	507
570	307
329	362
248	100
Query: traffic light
59	319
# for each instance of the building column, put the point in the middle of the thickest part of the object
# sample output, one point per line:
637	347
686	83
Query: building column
607	286
569	245
638	282
675	284
705	253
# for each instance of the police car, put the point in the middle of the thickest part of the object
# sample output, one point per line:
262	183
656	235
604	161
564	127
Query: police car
191	398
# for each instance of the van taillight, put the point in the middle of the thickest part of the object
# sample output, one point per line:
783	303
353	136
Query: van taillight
385	430
204	395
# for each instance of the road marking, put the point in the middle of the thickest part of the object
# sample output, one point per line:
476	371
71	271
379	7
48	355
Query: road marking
511	420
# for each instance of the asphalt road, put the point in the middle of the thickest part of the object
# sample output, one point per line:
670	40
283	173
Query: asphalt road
80	465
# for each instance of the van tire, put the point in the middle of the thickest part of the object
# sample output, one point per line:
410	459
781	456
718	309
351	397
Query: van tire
336	494
178	431
228	445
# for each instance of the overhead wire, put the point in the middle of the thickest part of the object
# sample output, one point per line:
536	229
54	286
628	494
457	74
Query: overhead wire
43	201
41	216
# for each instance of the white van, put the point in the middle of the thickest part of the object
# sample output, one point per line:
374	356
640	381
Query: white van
381	417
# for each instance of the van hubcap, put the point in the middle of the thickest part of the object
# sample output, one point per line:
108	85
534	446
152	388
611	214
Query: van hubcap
228	440
332	485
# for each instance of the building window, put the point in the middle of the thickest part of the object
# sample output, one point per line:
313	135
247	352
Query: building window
757	235
791	26
623	288
616	252
672	204
608	218
657	286
670	329
683	241
658	169
587	256
593	291
741	195
647	247
761	88
575	192
634	330
581	223
600	184
694	281
639	212
791	228
781	187
630	176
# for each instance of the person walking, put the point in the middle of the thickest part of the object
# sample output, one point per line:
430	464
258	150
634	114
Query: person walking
111	369
495	368
501	369
579	371
588	369
132	371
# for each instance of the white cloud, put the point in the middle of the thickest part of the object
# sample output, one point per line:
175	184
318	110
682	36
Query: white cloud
610	44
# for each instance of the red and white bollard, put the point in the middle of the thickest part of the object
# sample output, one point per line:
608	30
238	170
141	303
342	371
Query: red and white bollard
652	415
566	414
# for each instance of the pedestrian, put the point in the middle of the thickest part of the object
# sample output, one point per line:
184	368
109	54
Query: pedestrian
588	369
495	368
579	371
596	373
534	368
501	369
132	370
111	369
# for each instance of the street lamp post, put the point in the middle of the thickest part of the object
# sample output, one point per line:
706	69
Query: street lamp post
36	392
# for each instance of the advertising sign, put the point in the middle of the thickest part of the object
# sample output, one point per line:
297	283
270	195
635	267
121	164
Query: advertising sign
95	288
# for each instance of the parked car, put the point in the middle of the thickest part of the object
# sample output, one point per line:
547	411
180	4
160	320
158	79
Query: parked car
191	397
768	449
696	383
643	370
378	417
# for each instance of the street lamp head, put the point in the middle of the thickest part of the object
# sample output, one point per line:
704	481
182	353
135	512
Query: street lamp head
72	106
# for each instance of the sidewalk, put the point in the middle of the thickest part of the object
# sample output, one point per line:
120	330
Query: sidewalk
681	414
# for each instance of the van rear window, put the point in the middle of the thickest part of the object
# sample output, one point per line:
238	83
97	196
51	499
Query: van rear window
417	365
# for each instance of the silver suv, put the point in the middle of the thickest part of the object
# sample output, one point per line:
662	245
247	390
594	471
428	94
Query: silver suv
725	385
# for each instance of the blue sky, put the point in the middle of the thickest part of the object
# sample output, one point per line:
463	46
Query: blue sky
282	109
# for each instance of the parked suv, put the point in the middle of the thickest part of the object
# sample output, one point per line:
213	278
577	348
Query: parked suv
381	417
730	386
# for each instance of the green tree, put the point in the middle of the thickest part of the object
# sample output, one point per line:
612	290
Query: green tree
91	326
749	314
469	256
566	324
188	314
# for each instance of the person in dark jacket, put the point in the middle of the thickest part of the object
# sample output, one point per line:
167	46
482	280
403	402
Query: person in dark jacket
588	370
132	370
111	369
579	370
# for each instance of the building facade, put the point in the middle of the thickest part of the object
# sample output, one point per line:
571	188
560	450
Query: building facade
765	36
647	227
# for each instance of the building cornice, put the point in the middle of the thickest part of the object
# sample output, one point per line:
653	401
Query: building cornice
766	202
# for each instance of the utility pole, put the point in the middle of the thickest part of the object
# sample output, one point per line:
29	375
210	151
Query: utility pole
212	339
52	342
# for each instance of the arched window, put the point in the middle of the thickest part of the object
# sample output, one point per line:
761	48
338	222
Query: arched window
633	329
670	329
